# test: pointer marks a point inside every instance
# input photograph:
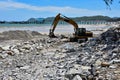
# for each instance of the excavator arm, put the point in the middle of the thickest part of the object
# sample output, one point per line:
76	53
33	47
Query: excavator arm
57	19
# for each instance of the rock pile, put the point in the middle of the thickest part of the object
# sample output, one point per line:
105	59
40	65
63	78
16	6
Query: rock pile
111	36
18	34
53	59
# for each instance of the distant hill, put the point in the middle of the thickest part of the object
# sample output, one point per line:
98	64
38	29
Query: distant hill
85	18
49	20
36	20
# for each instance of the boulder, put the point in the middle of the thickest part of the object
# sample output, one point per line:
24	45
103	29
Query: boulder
26	47
105	64
10	52
77	77
1	49
25	67
113	67
3	55
16	51
7	47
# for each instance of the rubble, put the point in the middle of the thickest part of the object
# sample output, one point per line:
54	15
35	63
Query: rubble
111	36
43	58
105	64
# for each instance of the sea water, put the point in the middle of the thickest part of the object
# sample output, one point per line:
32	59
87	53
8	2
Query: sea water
44	28
31	27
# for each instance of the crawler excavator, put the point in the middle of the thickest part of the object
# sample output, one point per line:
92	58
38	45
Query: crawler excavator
79	33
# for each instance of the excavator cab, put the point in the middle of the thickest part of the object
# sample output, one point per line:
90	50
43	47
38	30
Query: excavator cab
80	31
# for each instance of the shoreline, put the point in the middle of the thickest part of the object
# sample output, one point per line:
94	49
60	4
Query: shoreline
59	28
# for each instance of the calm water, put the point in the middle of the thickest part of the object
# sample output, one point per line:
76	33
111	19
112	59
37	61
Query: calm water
32	27
44	28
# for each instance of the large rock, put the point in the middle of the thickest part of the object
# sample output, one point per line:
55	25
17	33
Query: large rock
3	55
7	47
105	64
1	49
77	77
25	67
68	47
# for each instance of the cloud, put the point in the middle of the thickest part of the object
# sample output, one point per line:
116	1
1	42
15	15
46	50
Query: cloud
54	9
11	5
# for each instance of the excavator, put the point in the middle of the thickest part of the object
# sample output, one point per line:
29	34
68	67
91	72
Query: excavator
79	34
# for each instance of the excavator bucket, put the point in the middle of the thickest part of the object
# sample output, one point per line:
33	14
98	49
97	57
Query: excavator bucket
51	34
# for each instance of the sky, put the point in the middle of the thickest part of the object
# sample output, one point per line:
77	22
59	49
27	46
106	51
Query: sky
21	10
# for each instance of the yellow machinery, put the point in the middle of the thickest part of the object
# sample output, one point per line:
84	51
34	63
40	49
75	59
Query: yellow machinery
80	33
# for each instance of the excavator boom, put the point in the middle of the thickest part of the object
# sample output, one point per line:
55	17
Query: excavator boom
57	19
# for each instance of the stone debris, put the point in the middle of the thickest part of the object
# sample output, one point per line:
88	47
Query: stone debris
105	64
43	58
111	36
77	77
25	67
